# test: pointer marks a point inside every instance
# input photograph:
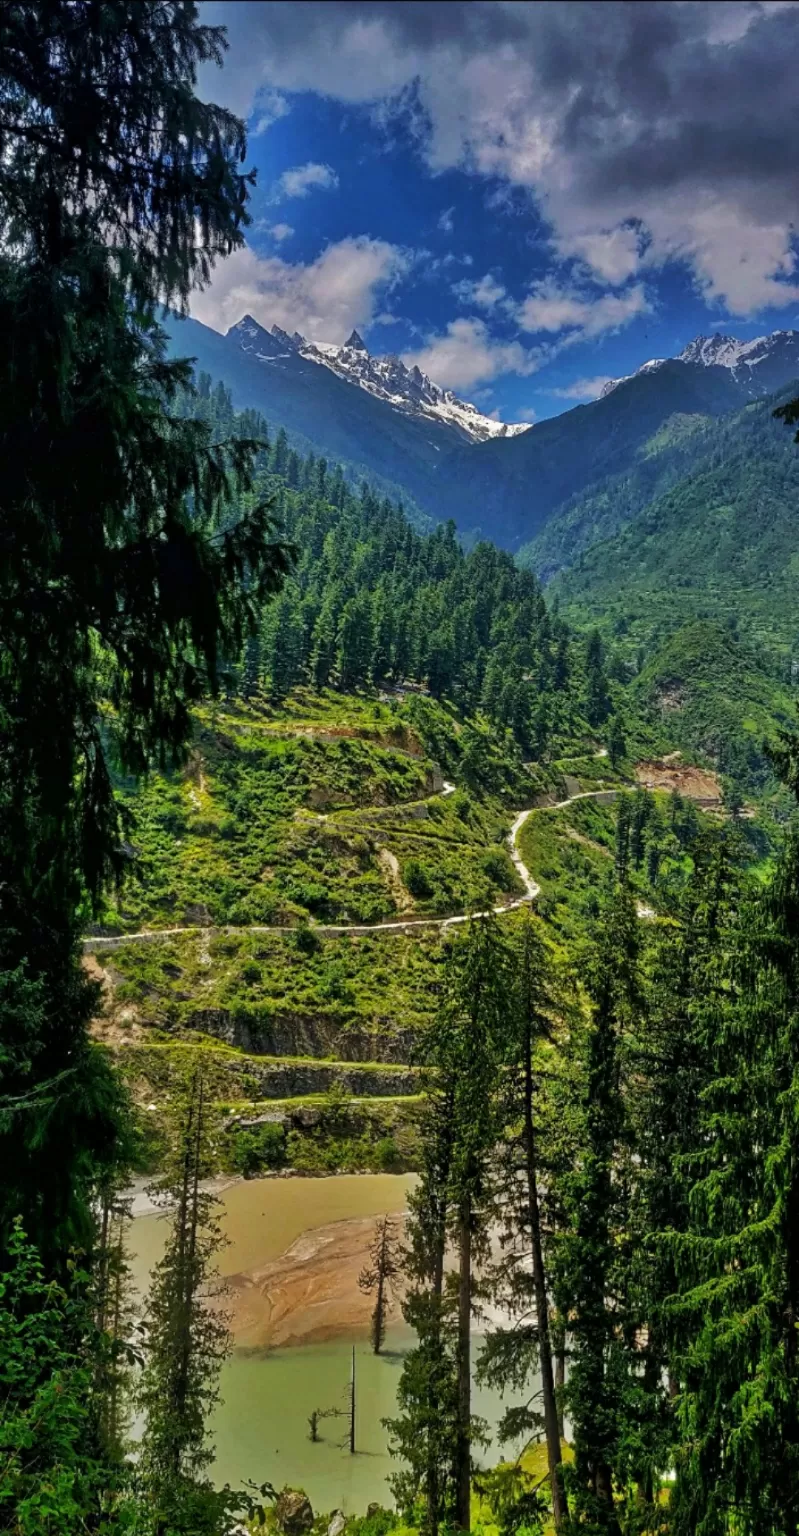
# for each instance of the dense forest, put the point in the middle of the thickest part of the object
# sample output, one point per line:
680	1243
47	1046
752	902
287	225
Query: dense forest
371	601
620	1111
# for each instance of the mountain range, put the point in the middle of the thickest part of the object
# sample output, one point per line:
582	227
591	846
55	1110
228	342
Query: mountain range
511	484
407	390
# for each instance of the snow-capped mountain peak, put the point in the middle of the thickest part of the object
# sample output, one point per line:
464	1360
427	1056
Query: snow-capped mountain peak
775	357
405	389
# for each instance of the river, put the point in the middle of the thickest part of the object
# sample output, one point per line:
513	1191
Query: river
294	1250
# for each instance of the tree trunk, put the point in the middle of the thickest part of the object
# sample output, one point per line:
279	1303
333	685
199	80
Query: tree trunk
463	1482
558	1334
378	1321
560	1509
791	1335
352	1406
604	1491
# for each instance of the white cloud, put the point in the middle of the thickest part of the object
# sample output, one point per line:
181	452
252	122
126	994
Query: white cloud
278	232
584	389
646	133
302	179
550	307
527	413
611	254
270	107
323	300
467	354
446	222
486	293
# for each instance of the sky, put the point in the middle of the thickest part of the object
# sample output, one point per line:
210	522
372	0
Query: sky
526	199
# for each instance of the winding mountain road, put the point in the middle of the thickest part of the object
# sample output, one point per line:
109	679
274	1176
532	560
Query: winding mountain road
532	890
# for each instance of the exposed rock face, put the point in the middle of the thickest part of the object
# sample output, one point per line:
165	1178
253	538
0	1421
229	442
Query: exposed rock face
293	1512
315	1035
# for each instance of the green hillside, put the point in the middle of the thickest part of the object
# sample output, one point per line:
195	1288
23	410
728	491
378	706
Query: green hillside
722	542
695	589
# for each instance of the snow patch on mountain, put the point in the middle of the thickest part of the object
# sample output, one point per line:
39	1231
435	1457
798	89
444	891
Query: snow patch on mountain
387	378
775	356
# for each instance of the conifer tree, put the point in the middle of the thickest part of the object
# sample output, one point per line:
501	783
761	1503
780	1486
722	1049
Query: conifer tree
471	1035
593	1259
187	1335
422	1435
129	574
597	697
380	1276
436	1431
617	746
521	1284
735	1312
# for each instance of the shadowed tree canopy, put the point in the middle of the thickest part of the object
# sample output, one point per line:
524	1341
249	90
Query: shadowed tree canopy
133	556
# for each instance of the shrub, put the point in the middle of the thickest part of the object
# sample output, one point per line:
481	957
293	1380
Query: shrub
416	877
387	1155
306	940
495	865
261	1147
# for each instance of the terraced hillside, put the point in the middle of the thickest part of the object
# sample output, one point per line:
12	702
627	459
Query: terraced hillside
297	886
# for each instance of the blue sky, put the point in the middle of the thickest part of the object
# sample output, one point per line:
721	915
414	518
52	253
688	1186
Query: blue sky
525	199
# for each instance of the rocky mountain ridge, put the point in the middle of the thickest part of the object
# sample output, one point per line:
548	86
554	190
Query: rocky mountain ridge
386	378
775	357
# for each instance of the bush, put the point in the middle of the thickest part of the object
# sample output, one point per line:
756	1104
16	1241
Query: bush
496	865
307	942
261	1147
387	1155
416	878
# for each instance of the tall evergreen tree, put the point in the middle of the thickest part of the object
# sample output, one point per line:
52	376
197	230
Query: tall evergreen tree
735	1313
514	1350
126	579
594	1256
187	1338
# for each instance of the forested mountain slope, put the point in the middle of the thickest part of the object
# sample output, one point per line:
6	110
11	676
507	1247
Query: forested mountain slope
510	488
695	585
722	542
323	413
371	600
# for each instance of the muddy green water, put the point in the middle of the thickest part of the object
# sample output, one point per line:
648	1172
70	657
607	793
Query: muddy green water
261	1427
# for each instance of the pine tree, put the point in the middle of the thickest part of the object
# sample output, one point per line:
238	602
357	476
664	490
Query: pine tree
617	745
187	1335
521	1285
593	1260
380	1276
125	581
471	1035
423	1434
597	697
355	640
735	1313
436	1431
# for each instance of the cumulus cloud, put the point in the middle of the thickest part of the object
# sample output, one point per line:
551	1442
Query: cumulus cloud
323	299
302	179
486	293
271	106
467	354
647	133
584	389
446	222
553	308
278	232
